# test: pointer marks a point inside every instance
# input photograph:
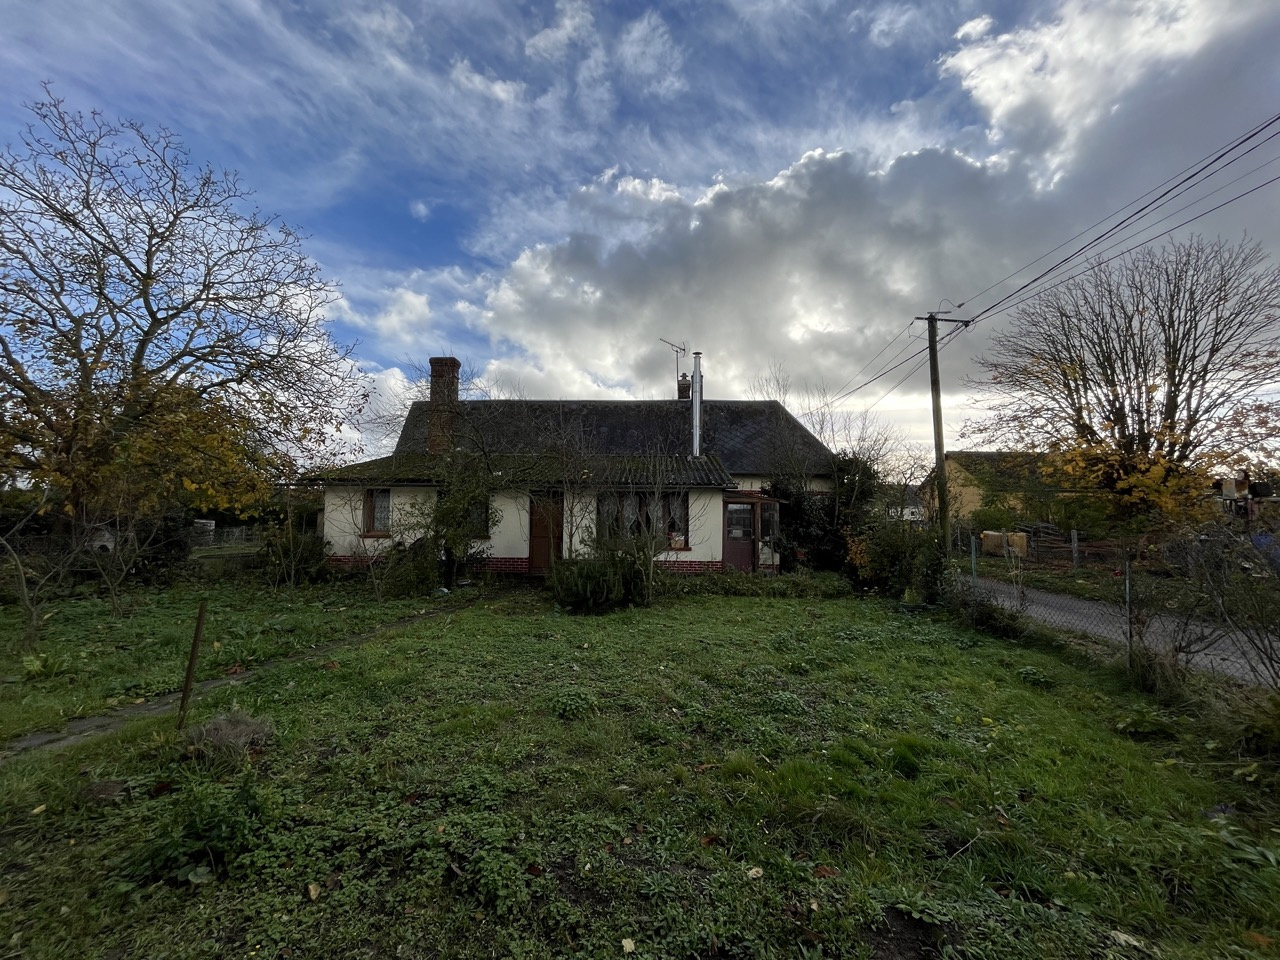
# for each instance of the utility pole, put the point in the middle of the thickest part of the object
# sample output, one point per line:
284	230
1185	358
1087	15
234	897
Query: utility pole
939	453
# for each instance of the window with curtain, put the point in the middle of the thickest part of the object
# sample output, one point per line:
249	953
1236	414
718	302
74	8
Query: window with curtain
635	514
377	512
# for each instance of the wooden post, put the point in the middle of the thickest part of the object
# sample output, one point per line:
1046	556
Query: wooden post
191	665
1075	550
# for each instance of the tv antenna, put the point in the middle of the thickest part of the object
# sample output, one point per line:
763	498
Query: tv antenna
680	350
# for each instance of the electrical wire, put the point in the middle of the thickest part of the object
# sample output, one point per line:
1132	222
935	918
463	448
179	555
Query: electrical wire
877	356
1200	171
1182	182
1146	240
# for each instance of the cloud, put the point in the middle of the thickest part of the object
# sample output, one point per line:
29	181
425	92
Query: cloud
466	78
1041	86
576	23
975	29
650	58
419	210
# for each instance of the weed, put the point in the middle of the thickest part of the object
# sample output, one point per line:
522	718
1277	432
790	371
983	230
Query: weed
573	703
1148	720
227	741
1034	677
820	776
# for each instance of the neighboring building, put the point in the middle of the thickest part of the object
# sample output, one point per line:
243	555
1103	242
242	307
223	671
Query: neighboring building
689	471
1017	481
902	502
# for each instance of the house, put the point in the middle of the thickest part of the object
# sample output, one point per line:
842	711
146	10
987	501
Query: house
1014	481
902	502
688	473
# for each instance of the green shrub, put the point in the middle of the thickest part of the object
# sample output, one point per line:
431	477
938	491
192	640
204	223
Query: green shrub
586	585
802	585
293	557
889	558
978	609
619	574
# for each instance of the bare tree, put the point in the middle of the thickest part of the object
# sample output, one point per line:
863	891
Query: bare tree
129	276
1143	369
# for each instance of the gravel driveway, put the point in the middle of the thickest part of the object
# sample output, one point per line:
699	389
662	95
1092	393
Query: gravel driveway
1107	622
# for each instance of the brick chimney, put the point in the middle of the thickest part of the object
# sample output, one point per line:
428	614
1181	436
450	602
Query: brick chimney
443	403
683	387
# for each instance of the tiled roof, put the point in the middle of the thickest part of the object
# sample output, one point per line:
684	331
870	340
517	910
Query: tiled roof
534	470
749	437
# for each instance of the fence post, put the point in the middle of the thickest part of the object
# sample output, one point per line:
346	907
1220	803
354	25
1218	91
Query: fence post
1075	550
191	665
1128	612
973	558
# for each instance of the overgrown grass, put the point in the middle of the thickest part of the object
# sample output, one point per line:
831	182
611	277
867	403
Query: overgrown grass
711	777
90	660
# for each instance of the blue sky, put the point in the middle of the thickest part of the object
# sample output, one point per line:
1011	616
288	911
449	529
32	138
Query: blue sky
548	189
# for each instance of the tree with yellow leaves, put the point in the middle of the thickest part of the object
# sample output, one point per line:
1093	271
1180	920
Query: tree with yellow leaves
1145	374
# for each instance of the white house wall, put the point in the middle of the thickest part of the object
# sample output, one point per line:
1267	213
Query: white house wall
344	523
510	537
706	529
344	519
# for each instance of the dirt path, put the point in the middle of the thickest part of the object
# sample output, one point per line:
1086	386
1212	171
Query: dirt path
86	728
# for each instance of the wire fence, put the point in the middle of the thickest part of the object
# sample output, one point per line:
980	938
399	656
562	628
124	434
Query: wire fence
1194	602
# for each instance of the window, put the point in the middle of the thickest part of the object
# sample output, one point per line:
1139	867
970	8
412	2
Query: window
377	513
769	527
637	514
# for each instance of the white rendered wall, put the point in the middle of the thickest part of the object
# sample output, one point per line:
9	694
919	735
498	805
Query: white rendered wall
510	537
344	519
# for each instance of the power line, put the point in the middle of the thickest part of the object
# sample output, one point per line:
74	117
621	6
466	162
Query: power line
887	345
1053	286
1185	181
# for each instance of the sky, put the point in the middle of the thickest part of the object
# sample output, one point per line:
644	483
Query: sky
549	190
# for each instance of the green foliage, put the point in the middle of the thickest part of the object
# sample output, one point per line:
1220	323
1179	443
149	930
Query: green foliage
294	557
206	827
1148	720
618	573
1258	724
226	742
733	583
1034	677
573	703
888	558
715	776
587	585
812	523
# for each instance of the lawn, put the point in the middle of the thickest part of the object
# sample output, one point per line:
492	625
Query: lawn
734	777
90	661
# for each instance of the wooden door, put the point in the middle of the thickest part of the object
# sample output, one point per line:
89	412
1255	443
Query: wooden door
546	531
740	536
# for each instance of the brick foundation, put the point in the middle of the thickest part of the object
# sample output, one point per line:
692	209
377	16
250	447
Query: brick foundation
691	566
348	563
503	564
